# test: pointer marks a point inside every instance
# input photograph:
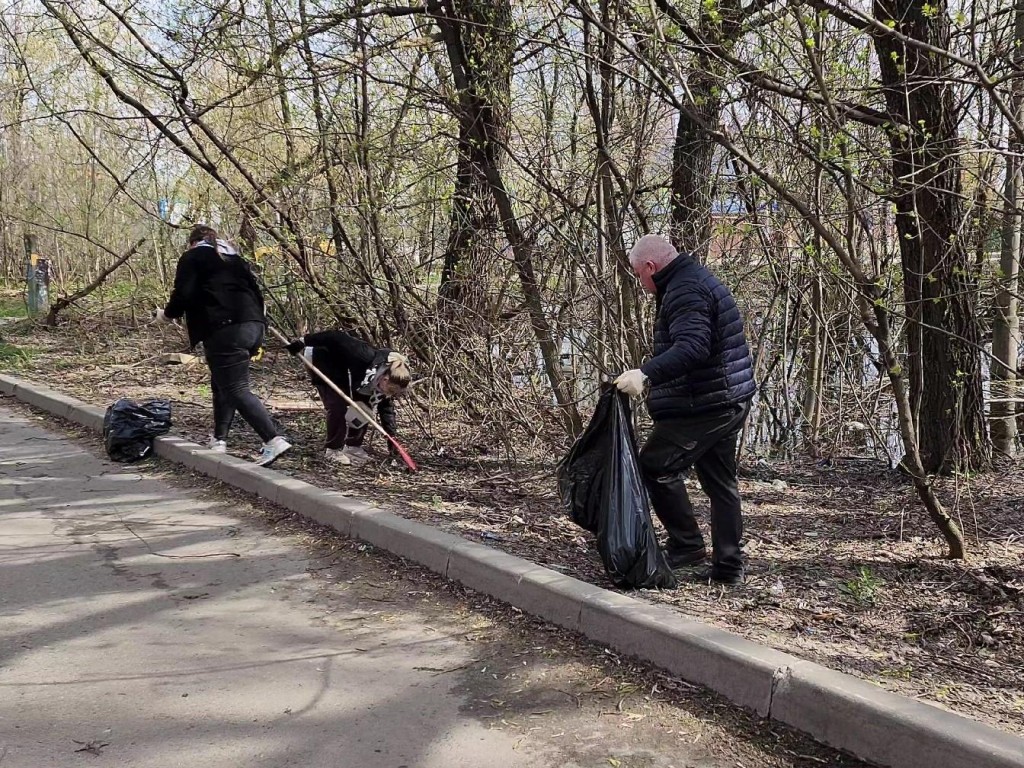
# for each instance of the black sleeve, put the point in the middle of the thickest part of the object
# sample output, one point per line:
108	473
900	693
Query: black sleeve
690	329
186	284
254	284
386	415
346	350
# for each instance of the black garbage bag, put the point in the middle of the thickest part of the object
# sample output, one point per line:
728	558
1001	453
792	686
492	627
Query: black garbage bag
129	428
600	485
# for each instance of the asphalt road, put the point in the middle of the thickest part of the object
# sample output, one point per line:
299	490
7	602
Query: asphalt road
147	623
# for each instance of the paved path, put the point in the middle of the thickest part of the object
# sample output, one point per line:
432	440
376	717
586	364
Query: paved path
131	636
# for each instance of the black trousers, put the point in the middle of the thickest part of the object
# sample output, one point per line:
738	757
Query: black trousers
339	433
706	442
227	352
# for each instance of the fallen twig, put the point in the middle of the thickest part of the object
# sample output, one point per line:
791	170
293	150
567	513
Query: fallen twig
176	557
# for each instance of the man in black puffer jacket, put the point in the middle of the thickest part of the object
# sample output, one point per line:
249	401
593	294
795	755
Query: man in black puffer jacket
701	382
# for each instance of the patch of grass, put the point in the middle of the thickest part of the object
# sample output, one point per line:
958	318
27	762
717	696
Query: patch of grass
863	587
143	290
12	304
899	673
13	357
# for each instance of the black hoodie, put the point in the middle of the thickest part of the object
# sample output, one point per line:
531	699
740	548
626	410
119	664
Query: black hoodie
214	287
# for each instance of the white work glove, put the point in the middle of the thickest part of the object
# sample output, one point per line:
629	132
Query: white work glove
159	317
397	357
632	382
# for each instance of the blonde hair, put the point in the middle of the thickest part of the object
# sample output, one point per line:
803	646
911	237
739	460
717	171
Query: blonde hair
398	373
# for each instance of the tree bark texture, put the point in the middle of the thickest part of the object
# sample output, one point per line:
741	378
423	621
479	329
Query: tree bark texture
693	153
940	284
487	46
1006	326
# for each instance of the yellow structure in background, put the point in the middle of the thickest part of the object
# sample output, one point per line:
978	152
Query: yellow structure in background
261	254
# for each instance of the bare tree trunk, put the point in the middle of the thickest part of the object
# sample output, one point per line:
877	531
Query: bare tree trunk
600	97
522	249
813	367
912	462
813	364
375	238
940	286
1006	328
345	314
693	153
486	46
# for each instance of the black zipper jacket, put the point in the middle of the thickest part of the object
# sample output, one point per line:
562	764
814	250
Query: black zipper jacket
214	287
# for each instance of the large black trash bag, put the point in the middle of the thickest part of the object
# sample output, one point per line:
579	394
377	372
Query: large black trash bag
129	428
601	487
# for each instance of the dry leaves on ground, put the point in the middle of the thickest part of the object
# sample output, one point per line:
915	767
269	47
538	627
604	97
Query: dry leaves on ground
845	569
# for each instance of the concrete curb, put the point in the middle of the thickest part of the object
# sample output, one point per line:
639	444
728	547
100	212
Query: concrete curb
834	708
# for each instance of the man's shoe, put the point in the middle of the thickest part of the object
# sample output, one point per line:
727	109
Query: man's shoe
682	559
272	450
218	446
712	576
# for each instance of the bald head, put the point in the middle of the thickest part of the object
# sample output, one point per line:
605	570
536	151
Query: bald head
650	255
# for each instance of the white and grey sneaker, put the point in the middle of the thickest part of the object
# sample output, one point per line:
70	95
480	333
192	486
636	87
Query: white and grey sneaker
272	450
337	455
356	454
217	446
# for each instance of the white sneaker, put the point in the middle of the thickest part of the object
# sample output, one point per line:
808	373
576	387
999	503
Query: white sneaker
356	454
217	446
337	455
272	450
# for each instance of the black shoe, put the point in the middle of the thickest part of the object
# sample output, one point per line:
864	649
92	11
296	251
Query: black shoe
711	576
682	559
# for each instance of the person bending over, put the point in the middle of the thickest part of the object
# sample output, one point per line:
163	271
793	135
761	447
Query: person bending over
370	376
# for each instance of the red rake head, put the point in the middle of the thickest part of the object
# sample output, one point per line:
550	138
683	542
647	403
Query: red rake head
404	454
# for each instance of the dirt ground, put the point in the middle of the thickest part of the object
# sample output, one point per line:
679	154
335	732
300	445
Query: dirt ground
844	567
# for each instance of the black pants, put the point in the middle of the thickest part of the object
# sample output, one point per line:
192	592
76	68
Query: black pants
706	442
339	433
227	351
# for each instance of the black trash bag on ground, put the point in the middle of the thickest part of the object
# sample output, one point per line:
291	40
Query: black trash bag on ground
600	485
129	428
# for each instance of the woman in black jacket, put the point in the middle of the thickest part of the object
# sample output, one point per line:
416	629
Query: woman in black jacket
370	376
223	308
